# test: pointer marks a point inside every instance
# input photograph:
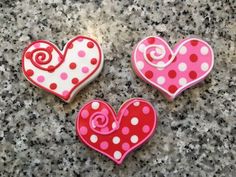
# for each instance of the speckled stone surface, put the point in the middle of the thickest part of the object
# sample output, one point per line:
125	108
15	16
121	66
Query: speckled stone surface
196	132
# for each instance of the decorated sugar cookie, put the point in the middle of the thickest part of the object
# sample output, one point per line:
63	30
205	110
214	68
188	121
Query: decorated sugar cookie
62	73
116	135
172	71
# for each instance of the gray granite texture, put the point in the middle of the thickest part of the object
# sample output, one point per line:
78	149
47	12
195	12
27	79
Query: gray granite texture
196	133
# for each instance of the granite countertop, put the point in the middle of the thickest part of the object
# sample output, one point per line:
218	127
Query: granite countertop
196	132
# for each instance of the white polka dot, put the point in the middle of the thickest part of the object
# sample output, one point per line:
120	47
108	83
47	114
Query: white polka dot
134	121
95	105
204	66
93	138
137	103
159	64
140	65
182	66
116	140
113	125
141	47
134	139
117	155
182	81
183	50
161	80
204	50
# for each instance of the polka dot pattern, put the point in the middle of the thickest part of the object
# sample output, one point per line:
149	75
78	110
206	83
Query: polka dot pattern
204	66
85	69
95	105
125	146
204	50
65	93
53	86
172	74
161	80
140	65
40	78
117	155
83	130
134	121
104	145
116	140
130	131
125	130
193	58
72	65
149	74
192	74
182	81
93	61
134	139
146	128
142	48
81	53
90	45
182	67
63	76
84	114
29	72
137	103
190	59
183	50
75	80
93	138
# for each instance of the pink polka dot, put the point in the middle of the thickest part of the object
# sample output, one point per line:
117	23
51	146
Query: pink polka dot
125	130
125	146
126	112
104	145
63	76
146	110
85	69
146	128
80	39
104	130
37	45
40	78
105	111
65	93
83	130
81	53
84	114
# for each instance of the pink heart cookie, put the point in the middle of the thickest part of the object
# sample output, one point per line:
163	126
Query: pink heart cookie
62	73
113	135
172	71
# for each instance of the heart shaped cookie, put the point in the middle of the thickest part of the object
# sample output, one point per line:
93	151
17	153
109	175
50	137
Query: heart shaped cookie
172	71
62	73
113	135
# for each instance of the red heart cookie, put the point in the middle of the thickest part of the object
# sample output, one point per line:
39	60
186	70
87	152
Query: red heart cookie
113	135
62	73
172	71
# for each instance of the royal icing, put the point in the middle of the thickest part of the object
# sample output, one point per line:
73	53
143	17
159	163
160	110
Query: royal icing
116	135
62	73
172	71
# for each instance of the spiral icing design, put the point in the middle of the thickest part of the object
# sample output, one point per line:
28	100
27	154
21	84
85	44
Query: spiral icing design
100	123
153	54
41	57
